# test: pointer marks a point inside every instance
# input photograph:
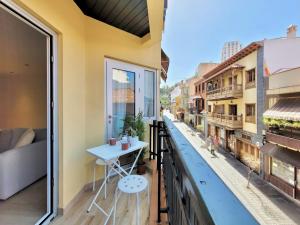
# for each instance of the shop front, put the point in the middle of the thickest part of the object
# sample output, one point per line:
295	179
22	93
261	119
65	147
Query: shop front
282	169
248	153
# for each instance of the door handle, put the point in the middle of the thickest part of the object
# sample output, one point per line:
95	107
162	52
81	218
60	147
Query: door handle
109	117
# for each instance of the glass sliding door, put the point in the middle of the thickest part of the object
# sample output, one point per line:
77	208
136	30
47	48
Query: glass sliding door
26	119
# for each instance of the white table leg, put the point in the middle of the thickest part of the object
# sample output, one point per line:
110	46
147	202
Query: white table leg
96	196
94	180
105	172
135	161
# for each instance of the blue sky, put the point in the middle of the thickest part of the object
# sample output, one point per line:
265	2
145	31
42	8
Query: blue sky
195	30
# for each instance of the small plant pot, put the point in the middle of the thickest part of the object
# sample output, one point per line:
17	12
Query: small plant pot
112	141
125	146
141	168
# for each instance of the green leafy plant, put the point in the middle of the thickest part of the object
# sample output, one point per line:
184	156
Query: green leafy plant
140	126
129	124
281	123
132	132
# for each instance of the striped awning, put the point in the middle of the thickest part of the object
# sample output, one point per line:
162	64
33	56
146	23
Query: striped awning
286	109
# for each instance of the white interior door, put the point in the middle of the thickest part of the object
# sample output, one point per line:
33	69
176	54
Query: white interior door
130	89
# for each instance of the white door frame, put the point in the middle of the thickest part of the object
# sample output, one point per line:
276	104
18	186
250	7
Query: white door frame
52	104
109	64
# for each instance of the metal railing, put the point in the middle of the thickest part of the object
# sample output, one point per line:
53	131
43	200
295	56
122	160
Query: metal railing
194	193
228	91
226	120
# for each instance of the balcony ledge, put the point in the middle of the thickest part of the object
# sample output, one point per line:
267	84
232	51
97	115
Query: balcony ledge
217	203
284	141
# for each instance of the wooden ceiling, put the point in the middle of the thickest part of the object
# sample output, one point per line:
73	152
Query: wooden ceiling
128	15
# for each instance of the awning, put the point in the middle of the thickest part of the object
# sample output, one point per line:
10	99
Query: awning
287	109
285	155
165	61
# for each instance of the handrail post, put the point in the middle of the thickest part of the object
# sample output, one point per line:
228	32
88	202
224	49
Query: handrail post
150	141
154	139
159	151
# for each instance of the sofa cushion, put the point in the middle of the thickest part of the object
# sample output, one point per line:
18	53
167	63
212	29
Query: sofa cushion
26	138
5	140
16	134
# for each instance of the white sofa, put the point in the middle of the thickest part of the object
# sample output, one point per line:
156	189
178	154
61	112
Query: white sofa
20	167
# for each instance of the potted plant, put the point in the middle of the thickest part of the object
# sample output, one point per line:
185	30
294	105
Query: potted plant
140	131
133	138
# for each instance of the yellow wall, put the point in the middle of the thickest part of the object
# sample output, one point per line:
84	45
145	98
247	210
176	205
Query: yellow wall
83	45
249	95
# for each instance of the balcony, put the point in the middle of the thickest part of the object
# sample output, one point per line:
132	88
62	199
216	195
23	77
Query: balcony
230	121
190	184
230	92
286	139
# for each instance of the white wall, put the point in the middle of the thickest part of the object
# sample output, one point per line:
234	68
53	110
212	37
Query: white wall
282	53
288	78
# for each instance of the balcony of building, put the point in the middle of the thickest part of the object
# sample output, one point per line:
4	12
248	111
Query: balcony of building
184	189
223	93
283	122
229	121
289	138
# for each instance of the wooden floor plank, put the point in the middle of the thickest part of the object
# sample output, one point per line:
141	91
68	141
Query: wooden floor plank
154	199
126	211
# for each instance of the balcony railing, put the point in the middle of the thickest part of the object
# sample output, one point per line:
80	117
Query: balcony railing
195	194
232	91
284	139
230	121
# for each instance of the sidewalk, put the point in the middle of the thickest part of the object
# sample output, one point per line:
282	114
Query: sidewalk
263	201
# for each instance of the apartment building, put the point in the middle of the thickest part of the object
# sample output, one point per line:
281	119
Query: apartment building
235	93
282	120
229	49
197	99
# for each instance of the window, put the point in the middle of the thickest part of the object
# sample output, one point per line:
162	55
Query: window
203	87
250	78
283	170
196	89
220	109
199	88
209	108
250	113
149	93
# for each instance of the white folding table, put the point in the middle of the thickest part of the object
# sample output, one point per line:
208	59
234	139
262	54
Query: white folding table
109	153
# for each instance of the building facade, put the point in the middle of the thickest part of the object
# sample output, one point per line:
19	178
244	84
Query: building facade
229	49
282	120
236	96
197	98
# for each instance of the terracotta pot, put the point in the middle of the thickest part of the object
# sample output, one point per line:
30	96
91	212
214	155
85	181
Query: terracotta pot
112	141
141	168
125	146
